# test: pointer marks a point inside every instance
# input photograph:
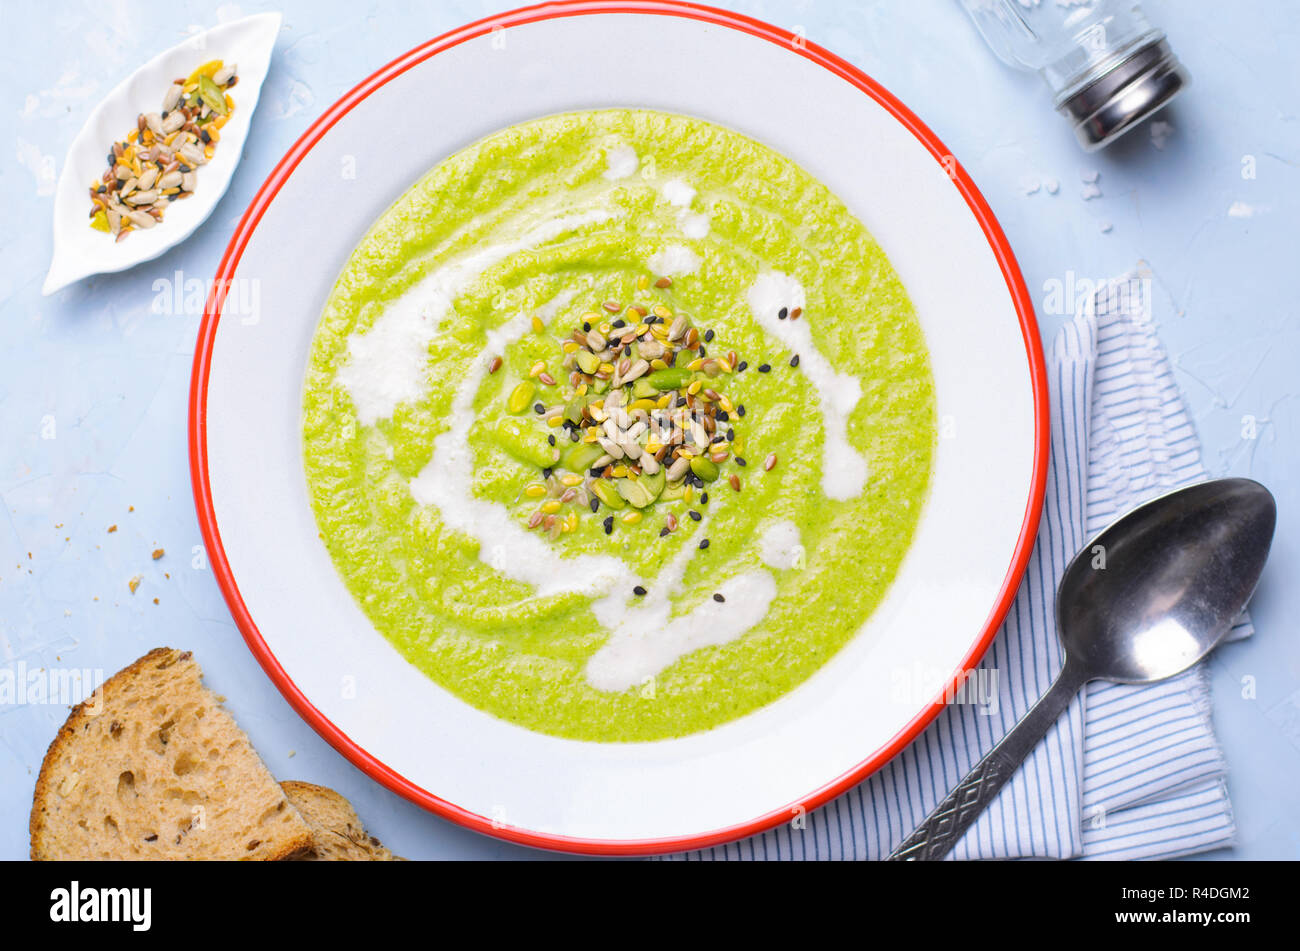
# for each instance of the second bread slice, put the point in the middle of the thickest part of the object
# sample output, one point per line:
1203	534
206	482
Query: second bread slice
336	828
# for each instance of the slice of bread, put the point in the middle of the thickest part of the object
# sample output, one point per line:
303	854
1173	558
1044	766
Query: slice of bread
152	767
336	829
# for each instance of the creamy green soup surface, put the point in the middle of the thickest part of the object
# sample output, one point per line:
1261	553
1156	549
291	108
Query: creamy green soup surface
618	425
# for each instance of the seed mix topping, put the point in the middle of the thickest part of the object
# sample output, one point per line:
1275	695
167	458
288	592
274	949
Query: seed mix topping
638	404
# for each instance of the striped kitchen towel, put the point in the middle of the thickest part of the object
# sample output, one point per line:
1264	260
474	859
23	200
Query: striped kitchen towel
1128	772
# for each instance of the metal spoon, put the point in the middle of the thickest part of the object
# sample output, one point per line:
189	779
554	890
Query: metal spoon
1143	601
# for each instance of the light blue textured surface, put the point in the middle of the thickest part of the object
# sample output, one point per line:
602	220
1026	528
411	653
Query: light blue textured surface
94	383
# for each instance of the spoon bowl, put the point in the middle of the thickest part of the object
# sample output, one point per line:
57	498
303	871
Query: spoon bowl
1158	589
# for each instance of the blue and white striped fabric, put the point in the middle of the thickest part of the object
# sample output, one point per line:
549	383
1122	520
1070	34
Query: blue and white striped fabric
1128	772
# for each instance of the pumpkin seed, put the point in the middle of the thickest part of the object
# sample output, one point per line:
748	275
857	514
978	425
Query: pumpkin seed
605	491
703	468
582	456
521	396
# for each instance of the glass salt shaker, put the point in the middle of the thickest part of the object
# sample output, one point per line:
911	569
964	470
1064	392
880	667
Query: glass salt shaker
1107	66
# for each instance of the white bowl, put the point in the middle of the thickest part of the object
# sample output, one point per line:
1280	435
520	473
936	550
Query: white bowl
879	691
79	250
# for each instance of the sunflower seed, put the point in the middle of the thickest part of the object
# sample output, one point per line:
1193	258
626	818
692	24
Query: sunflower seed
173	96
679	469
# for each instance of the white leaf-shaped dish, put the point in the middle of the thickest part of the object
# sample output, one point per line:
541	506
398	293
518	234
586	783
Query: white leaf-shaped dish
80	250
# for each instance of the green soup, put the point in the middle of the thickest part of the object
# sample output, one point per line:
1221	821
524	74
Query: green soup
618	425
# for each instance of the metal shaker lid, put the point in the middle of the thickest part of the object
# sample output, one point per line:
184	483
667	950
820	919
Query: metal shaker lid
1124	93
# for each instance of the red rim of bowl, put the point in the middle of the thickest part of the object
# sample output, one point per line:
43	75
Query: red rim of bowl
377	770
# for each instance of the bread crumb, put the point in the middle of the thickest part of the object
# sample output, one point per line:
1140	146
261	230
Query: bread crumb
157	553
155	600
134	583
112	529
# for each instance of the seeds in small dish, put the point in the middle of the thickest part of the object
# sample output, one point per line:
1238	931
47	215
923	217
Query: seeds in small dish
156	164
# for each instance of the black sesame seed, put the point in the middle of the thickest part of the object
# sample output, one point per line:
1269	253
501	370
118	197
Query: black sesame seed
740	461
731	435
704	543
664	531
573	435
704	499
609	525
719	598
586	326
783	313
551	440
639	591
794	361
619	323
740	410
742	366
595	504
595	473
708	336
695	515
539	409
546	473
722	417
703	353
764	367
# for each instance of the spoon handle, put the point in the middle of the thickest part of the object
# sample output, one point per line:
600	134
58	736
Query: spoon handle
952	817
